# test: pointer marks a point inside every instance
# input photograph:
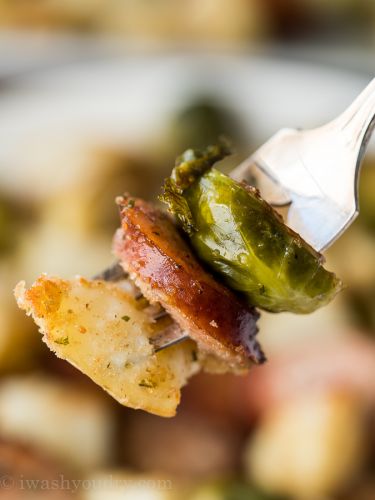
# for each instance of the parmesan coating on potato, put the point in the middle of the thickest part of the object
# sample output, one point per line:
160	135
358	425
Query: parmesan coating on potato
104	332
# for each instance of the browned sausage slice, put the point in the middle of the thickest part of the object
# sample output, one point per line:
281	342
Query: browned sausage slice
161	263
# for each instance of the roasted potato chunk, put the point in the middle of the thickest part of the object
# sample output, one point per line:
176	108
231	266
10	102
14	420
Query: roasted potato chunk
100	329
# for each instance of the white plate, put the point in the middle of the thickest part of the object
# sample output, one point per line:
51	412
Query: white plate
123	101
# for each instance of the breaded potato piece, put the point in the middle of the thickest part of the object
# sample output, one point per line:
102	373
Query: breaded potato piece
100	329
63	420
162	265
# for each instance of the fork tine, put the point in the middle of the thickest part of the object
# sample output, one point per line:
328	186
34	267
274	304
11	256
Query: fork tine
171	335
162	314
116	273
252	172
318	169
113	273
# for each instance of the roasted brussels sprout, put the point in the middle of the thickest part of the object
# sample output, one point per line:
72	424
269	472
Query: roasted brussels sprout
366	196
15	216
239	236
201	121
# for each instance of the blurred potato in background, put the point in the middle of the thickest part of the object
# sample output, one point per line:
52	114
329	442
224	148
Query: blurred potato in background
204	21
126	485
67	423
235	20
310	447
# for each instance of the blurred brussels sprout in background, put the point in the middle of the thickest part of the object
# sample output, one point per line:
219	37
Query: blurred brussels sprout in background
361	302
366	196
15	216
231	490
202	122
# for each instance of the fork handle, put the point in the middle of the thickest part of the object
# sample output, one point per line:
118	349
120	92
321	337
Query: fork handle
357	122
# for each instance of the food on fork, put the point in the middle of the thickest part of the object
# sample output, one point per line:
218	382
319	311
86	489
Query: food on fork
165	269
256	260
243	239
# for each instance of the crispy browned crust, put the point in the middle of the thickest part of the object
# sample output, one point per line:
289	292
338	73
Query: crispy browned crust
152	250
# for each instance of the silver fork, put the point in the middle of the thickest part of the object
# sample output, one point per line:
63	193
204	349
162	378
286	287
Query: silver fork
313	173
316	171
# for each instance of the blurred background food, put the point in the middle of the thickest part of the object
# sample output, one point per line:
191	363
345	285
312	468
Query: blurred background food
98	97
